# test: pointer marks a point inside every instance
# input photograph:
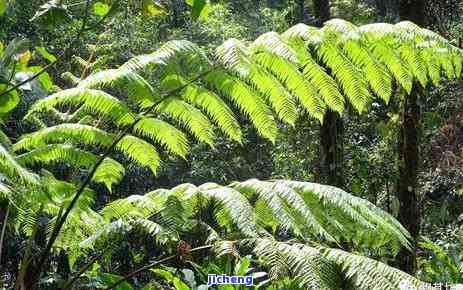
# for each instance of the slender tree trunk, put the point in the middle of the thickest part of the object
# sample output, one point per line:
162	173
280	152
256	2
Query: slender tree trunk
413	10
332	128
409	213
381	8
331	134
321	11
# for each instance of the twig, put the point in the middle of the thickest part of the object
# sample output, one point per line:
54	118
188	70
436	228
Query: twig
147	267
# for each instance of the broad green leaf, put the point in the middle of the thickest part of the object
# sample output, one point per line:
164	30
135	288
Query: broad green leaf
43	78
3	6
180	285
199	8
101	9
152	8
9	101
109	279
45	54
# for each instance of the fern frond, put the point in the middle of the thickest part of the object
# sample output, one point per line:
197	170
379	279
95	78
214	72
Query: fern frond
318	77
163	133
63	133
315	267
140	152
304	32
98	102
165	54
340	25
137	88
273	43
246	99
364	273
350	77
304	264
190	117
109	172
387	55
13	170
235	57
376	73
413	60
214	107
295	81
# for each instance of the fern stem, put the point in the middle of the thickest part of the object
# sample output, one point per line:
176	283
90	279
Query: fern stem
2	235
147	267
59	223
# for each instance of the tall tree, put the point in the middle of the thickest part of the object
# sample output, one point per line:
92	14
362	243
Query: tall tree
409	211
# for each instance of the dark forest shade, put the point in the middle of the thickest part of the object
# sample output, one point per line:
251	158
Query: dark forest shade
413	10
321	11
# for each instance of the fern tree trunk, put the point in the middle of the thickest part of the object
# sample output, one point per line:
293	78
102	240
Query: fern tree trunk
331	134
409	213
332	128
321	11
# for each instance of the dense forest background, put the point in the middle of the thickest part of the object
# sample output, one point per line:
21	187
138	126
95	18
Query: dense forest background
366	154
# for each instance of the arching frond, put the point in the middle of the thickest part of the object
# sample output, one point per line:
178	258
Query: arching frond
63	133
109	172
310	211
364	273
295	81
165	54
235	56
376	73
387	55
13	170
140	152
304	264
350	77
137	88
315	267
214	107
95	101
318	76
163	133
246	99
190	117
